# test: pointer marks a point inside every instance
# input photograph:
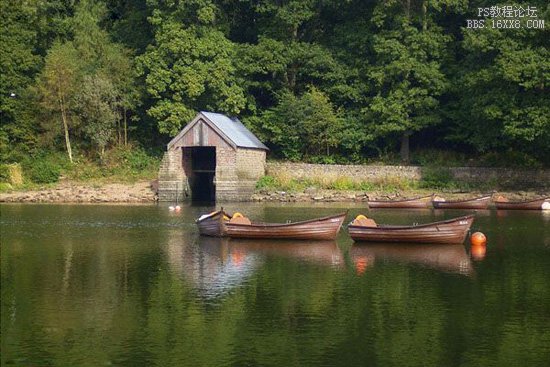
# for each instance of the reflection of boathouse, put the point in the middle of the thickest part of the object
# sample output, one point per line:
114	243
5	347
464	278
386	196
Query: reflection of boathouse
213	158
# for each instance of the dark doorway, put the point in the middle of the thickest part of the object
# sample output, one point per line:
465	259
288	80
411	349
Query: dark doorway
203	167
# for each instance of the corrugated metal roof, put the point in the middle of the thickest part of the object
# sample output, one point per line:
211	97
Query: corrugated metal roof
235	130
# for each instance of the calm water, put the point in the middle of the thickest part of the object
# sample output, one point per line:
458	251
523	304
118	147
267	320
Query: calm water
91	285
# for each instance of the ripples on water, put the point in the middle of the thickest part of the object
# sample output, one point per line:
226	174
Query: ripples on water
135	285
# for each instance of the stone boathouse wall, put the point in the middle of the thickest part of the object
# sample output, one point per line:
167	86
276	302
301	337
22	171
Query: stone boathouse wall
237	171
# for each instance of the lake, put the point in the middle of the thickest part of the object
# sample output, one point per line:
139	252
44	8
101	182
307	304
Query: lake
134	285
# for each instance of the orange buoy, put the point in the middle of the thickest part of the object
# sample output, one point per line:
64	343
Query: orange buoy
478	239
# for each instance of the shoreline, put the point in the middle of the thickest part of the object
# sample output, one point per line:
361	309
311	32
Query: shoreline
145	192
76	192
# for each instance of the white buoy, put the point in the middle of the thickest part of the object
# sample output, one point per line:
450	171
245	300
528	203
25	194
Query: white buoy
171	208
545	205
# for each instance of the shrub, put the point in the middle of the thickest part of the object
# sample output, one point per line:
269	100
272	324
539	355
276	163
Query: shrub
44	171
342	183
4	186
436	157
130	157
267	182
509	159
366	186
4	173
436	178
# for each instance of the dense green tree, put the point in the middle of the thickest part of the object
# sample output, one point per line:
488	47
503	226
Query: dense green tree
288	54
127	23
96	105
502	95
57	86
358	78
53	23
18	64
406	73
303	126
189	66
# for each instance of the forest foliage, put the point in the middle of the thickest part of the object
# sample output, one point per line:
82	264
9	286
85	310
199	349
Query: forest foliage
317	80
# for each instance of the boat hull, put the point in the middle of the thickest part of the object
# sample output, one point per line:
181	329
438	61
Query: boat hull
477	203
451	231
422	202
523	205
316	229
212	225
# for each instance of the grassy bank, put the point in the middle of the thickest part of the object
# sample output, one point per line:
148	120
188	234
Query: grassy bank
433	179
120	165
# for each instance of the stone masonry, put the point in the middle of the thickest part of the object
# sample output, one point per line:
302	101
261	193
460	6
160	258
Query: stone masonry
502	177
238	168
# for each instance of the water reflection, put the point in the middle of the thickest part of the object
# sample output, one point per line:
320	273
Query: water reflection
446	258
216	265
478	252
321	252
136	286
211	265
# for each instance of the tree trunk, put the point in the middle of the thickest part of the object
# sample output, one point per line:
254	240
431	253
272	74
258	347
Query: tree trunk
125	129
66	129
424	15
405	152
118	132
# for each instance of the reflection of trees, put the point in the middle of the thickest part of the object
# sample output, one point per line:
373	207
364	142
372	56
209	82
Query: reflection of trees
135	297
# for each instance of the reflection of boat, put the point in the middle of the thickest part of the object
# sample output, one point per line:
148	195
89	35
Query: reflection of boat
419	202
215	268
324	252
475	203
216	224
447	231
449	258
535	204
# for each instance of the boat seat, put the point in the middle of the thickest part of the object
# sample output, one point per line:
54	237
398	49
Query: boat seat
240	220
364	222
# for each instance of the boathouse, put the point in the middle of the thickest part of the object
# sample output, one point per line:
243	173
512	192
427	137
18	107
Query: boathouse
214	157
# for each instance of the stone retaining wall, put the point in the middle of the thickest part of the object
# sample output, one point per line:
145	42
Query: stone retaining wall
501	177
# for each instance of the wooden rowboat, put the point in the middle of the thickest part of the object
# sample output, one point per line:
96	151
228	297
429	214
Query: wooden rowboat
451	231
419	202
522	205
325	228
475	203
212	224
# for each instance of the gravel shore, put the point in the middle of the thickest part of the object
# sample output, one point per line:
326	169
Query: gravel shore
145	192
67	192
